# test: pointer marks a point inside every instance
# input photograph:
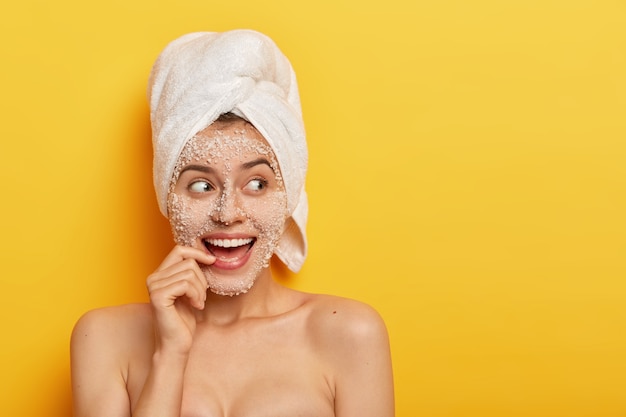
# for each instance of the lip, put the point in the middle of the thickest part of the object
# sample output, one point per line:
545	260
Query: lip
232	263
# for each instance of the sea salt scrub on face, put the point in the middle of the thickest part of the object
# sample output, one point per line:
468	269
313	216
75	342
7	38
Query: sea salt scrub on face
227	197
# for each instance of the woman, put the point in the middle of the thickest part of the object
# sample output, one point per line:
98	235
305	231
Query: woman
220	337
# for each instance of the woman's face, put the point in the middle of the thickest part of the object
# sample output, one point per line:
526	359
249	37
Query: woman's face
227	198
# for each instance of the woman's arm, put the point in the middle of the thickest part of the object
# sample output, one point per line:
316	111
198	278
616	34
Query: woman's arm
163	391
98	376
102	347
361	359
102	340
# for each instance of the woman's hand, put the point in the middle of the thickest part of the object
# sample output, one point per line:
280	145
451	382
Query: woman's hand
177	289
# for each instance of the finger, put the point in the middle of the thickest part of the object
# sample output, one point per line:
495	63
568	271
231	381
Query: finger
187	269
184	265
179	253
164	292
179	260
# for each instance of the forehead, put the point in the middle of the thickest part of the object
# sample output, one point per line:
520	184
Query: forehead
235	128
226	141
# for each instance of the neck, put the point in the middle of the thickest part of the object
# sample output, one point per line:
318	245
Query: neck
262	300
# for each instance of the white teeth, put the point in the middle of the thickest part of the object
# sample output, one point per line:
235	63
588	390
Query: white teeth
229	243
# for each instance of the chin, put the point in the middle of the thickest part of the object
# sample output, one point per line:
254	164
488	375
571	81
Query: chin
229	285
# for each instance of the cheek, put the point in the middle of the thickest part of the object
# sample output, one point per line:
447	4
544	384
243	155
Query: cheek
268	215
188	218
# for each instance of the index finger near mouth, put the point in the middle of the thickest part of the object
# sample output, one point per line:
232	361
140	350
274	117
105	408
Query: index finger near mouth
180	253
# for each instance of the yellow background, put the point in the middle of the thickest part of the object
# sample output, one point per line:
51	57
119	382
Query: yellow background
467	179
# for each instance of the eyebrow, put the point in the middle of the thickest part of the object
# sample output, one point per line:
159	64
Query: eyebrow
259	161
210	170
201	168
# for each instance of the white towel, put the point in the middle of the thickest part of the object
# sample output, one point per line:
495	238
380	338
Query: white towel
200	76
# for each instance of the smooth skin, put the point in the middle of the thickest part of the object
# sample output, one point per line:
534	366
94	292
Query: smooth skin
272	351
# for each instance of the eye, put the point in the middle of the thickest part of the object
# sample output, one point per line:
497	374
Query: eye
200	186
256	184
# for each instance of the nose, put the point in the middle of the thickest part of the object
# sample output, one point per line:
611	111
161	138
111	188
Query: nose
228	210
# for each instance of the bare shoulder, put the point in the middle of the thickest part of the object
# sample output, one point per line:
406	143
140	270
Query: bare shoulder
344	324
351	339
339	312
112	327
114	319
104	343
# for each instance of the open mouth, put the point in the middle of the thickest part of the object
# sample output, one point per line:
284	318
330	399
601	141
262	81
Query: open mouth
229	250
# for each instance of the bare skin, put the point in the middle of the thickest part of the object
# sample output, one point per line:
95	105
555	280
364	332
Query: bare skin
270	351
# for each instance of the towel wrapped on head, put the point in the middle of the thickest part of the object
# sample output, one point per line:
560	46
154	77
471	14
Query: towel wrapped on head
199	77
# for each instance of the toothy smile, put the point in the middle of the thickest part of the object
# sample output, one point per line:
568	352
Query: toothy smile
229	251
228	243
